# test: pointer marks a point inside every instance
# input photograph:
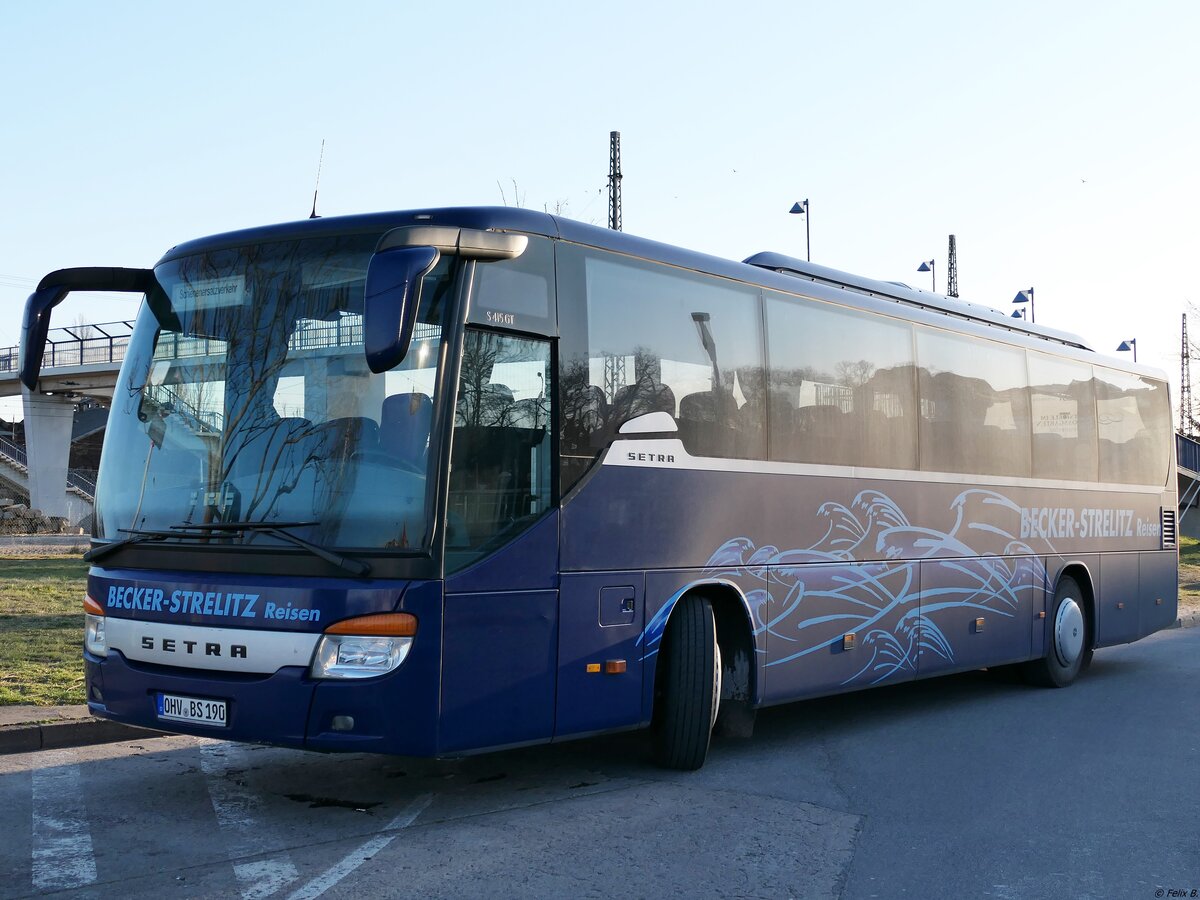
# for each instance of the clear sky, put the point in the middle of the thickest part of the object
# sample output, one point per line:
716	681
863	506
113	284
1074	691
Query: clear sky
1057	140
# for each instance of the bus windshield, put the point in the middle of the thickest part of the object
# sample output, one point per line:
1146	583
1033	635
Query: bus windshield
245	397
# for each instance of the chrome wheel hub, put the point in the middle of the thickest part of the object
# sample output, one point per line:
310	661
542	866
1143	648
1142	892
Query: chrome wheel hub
1068	632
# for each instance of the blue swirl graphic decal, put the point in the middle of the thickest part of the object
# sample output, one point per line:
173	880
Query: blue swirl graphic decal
865	576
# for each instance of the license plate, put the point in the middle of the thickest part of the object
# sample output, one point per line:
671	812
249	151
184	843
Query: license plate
191	709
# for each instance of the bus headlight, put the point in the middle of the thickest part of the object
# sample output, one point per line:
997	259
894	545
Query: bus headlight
353	656
93	628
364	647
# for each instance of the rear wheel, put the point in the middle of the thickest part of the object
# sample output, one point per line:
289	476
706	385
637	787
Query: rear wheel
1069	651
688	686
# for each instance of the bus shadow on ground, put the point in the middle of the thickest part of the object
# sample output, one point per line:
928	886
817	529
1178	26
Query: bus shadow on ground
844	715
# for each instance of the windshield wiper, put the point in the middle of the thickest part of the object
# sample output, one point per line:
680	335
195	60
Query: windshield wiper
136	536
277	529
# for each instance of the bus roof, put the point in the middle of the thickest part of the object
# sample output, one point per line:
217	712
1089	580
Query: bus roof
902	293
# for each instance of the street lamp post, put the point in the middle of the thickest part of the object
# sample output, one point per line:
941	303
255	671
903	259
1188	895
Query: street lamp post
1026	297
800	208
927	266
1128	345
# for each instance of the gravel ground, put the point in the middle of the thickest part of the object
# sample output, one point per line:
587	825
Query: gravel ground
43	544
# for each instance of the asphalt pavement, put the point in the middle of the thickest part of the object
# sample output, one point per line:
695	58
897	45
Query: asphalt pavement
972	785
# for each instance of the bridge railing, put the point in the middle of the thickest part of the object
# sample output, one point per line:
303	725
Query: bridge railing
14	452
1187	452
77	345
82	485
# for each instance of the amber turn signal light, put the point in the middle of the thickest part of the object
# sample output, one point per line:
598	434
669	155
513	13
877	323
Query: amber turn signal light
91	607
383	624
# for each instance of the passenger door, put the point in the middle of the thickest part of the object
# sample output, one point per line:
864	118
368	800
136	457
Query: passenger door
500	643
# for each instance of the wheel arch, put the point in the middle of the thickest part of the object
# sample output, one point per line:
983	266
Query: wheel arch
735	636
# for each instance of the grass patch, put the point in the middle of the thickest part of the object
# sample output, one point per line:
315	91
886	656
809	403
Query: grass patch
1189	574
41	631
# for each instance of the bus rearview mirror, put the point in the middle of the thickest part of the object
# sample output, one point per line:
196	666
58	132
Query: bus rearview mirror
392	296
35	327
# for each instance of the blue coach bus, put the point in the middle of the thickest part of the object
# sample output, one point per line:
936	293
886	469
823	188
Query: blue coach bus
443	481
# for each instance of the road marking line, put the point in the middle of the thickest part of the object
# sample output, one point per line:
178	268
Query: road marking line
264	877
333	875
234	805
62	843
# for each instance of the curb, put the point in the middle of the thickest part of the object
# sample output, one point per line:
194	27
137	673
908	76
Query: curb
60	735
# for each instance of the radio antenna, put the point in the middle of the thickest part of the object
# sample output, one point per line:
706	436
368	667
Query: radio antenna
317	186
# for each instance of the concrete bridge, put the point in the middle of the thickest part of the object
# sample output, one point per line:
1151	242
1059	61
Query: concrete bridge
81	362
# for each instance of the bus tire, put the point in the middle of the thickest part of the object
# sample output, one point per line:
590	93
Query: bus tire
689	686
1069	651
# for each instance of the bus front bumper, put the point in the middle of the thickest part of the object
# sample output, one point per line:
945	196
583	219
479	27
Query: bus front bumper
287	708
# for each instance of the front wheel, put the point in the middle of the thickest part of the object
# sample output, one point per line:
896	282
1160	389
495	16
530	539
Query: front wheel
688	686
1070	650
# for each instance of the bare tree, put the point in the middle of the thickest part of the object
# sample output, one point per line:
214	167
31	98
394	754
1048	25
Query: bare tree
481	402
82	328
854	373
518	196
557	208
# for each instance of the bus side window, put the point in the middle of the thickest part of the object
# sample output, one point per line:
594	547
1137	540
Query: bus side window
641	337
841	388
1131	416
974	405
1063	407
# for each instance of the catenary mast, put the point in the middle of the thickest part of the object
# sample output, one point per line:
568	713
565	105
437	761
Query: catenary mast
614	180
1187	419
952	270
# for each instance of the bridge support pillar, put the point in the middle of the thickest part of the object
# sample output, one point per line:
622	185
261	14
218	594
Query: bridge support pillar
48	420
